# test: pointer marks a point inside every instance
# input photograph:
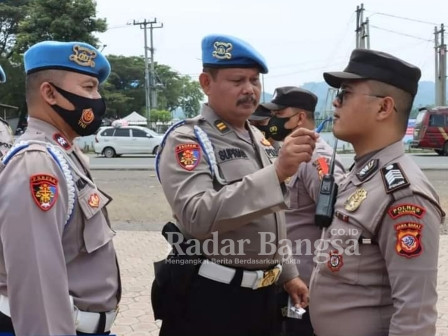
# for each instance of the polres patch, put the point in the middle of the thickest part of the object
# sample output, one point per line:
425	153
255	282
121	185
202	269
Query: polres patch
409	235
393	178
188	155
44	190
406	209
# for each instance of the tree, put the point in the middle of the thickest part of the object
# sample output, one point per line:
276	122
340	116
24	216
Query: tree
191	97
160	115
11	13
68	20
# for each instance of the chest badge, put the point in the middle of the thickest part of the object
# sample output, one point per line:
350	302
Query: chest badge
354	201
44	189
94	200
335	262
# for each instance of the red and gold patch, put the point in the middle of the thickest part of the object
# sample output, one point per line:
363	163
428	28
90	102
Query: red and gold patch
44	189
335	262
87	117
94	200
188	155
406	210
321	165
409	237
61	141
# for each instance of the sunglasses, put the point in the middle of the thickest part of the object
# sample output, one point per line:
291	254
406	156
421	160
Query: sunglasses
340	95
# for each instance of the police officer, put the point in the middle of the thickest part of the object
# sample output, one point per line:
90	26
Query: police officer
217	174
6	137
58	269
378	263
294	107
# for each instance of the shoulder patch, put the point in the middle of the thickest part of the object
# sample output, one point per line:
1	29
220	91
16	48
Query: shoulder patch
368	169
406	209
221	126
394	177
409	239
188	155
44	190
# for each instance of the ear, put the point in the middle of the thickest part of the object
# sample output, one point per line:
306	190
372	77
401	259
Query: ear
47	93
301	118
205	80
386	108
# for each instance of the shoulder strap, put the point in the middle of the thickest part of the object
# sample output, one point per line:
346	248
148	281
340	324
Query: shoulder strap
61	160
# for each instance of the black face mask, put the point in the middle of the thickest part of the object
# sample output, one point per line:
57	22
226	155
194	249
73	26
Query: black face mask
87	116
276	128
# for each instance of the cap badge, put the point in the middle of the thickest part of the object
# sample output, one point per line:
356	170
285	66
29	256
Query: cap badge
222	50
354	201
83	56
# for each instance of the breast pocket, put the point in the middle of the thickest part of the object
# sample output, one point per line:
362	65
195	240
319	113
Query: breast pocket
96	232
235	170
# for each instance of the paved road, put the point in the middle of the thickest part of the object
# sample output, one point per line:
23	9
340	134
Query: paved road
146	162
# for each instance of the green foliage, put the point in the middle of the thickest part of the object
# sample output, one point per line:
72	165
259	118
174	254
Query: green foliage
67	20
160	115
11	13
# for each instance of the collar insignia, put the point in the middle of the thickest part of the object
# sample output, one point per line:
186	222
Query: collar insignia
393	178
44	189
221	126
94	200
222	50
354	201
61	141
83	56
368	169
265	142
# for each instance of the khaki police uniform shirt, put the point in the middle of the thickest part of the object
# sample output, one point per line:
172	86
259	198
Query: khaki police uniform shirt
43	260
304	189
246	208
388	287
6	137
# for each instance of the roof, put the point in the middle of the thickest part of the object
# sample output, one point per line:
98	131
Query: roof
136	119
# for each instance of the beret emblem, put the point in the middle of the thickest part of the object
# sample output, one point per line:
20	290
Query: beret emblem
222	50
83	56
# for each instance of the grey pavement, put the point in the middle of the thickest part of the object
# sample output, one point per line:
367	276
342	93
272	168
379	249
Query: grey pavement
137	250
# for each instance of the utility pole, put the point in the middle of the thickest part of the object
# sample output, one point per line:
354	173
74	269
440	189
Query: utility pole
440	66
362	29
150	89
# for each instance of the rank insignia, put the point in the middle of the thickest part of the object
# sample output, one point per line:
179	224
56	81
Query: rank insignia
61	141
409	237
321	165
44	189
342	216
222	50
368	169
188	155
393	177
354	201
94	200
406	210
335	262
83	56
221	126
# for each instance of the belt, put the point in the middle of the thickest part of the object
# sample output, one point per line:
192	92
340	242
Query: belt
86	322
251	279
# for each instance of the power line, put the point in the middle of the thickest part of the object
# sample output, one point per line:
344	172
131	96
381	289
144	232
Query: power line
403	34
403	18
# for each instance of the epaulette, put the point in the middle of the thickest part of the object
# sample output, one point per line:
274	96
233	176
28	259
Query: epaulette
394	178
61	161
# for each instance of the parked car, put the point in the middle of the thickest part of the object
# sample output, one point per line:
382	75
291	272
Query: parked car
431	130
115	141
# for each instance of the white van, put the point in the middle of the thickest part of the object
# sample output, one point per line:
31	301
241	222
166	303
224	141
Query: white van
113	141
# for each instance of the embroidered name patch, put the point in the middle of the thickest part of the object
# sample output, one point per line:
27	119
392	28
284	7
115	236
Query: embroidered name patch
406	210
188	155
231	154
409	237
44	189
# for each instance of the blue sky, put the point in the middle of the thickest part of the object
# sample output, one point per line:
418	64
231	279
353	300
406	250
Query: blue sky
299	39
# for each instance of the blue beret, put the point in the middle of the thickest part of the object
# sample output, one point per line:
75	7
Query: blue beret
2	75
71	56
223	51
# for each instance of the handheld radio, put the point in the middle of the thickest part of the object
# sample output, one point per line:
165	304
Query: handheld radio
327	196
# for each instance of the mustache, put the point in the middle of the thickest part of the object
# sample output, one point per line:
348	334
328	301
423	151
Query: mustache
247	99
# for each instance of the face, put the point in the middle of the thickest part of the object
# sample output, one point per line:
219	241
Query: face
355	110
234	93
288	112
82	85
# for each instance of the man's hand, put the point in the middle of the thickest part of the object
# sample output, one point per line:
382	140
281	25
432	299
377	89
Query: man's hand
298	147
298	292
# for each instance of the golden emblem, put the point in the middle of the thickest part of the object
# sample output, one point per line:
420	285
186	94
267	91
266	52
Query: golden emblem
94	200
83	56
269	277
87	117
354	201
222	50
265	142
